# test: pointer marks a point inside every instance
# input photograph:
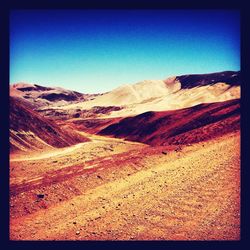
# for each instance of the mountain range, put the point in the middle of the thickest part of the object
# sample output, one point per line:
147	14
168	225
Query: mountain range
150	111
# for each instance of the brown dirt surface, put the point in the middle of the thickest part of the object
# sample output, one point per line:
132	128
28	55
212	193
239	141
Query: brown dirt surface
110	189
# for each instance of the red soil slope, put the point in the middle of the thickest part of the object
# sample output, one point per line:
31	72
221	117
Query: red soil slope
189	125
29	130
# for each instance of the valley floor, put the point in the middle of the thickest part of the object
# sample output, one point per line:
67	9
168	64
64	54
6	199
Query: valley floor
129	191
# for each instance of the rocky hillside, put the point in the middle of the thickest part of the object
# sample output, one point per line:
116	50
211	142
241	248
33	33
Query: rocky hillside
197	80
29	130
189	125
40	96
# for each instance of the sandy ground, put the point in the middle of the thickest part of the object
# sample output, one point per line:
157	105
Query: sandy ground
31	166
137	193
83	147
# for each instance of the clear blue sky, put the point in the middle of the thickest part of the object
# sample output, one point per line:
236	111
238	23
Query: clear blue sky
94	51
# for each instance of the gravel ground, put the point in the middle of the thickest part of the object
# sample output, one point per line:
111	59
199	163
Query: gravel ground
193	194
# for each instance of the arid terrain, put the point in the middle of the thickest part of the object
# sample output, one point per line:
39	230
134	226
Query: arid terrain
129	164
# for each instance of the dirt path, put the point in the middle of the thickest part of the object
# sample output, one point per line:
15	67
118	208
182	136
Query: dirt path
194	197
36	166
95	139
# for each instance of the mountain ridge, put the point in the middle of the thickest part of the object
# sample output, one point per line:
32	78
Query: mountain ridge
181	126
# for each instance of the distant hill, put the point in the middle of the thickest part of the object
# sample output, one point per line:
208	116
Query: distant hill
30	131
173	93
40	96
189	125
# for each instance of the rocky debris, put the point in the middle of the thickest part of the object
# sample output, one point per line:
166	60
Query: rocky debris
77	232
178	149
40	196
164	152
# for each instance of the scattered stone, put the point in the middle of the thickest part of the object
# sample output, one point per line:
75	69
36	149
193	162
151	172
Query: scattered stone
40	196
164	152
74	222
98	176
77	232
178	149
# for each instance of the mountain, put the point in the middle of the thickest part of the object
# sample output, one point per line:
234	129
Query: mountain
189	125
29	130
40	96
197	80
173	93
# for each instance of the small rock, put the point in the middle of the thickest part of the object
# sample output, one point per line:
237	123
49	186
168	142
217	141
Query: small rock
74	222
77	232
164	152
40	196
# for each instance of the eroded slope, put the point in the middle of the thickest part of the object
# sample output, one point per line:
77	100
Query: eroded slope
31	131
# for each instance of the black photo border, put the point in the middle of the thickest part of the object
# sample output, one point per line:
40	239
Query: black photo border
7	6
